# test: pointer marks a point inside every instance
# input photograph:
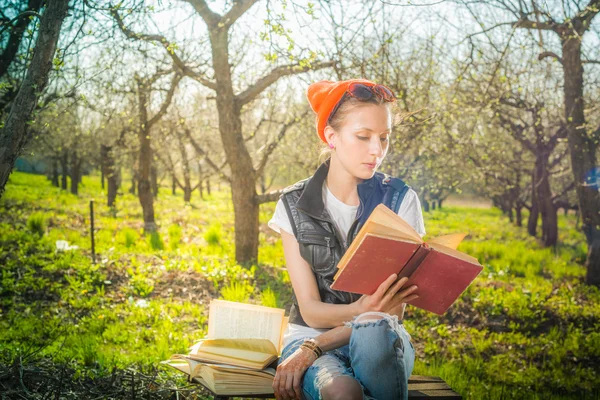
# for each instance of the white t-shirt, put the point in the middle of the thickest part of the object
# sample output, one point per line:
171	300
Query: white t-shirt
342	216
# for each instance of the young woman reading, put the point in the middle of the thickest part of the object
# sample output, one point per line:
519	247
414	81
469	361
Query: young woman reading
341	345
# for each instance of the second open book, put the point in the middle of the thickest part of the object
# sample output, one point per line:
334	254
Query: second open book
387	244
239	355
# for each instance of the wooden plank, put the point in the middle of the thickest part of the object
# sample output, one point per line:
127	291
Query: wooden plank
428	386
422	378
438	394
419	387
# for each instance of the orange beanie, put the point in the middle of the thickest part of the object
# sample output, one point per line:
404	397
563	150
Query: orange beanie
323	97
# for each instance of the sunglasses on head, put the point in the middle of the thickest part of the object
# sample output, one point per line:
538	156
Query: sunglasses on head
363	92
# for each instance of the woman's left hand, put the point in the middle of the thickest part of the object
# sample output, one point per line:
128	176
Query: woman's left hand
288	377
398	311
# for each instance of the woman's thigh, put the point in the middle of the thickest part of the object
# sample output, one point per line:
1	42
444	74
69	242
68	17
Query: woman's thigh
382	355
330	365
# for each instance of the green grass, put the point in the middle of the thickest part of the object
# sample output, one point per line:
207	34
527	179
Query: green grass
526	328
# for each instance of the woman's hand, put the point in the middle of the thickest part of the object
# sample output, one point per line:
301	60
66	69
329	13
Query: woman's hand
387	298
287	381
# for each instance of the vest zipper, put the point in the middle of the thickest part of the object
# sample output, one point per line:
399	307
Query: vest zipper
333	228
328	241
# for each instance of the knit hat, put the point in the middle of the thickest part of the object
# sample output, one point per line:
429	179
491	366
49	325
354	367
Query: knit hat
323	96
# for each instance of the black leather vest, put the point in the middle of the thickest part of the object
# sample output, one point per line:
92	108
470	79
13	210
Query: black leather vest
320	243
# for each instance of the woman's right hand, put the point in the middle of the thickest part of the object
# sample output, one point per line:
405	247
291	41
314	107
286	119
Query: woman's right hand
287	383
387	296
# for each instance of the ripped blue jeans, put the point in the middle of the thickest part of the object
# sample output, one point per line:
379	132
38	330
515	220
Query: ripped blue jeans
380	356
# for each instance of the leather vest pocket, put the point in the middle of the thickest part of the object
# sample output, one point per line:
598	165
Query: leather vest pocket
318	250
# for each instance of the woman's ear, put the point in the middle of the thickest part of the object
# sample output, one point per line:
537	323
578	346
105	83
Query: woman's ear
329	134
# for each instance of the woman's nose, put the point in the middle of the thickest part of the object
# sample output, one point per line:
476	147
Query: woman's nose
376	147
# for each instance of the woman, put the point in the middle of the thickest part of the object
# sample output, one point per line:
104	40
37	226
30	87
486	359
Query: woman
343	345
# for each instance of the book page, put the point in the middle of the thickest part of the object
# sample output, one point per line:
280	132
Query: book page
451	241
232	320
383	222
281	332
454	253
384	216
225	346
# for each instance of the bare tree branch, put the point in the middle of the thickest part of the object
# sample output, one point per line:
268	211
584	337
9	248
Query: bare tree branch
588	13
237	10
187	71
251	92
170	166
545	26
255	131
567	189
269	197
271	146
167	102
204	154
550	54
211	18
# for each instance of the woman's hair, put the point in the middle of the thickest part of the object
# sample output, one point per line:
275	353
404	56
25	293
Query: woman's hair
336	121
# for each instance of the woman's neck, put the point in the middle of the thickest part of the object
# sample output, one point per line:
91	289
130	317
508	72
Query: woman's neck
342	184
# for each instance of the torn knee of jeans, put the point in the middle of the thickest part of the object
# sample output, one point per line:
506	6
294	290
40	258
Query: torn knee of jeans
328	367
372	318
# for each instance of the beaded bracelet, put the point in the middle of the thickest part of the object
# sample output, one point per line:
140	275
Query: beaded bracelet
312	345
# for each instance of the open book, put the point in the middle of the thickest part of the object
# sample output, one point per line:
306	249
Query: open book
387	244
240	352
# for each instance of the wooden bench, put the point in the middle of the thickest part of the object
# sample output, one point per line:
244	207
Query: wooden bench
419	387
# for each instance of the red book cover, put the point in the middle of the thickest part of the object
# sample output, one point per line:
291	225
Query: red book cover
374	261
441	279
386	244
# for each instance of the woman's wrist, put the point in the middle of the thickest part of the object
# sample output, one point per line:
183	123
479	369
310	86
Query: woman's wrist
359	307
311	354
312	345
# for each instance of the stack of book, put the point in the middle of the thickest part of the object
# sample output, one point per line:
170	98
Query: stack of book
240	353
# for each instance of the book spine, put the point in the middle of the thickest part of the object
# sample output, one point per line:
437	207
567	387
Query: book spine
413	263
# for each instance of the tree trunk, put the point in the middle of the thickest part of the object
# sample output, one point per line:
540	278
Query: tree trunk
145	162
64	165
425	205
55	172
13	136
112	176
519	215
263	184
102	177
582	149
75	172
185	163
547	209
154	179
543	192
104	149
243	179
200	182
208	186
173	184
535	209
133	181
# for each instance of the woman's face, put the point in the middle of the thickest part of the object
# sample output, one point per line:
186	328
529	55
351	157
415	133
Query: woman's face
362	141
